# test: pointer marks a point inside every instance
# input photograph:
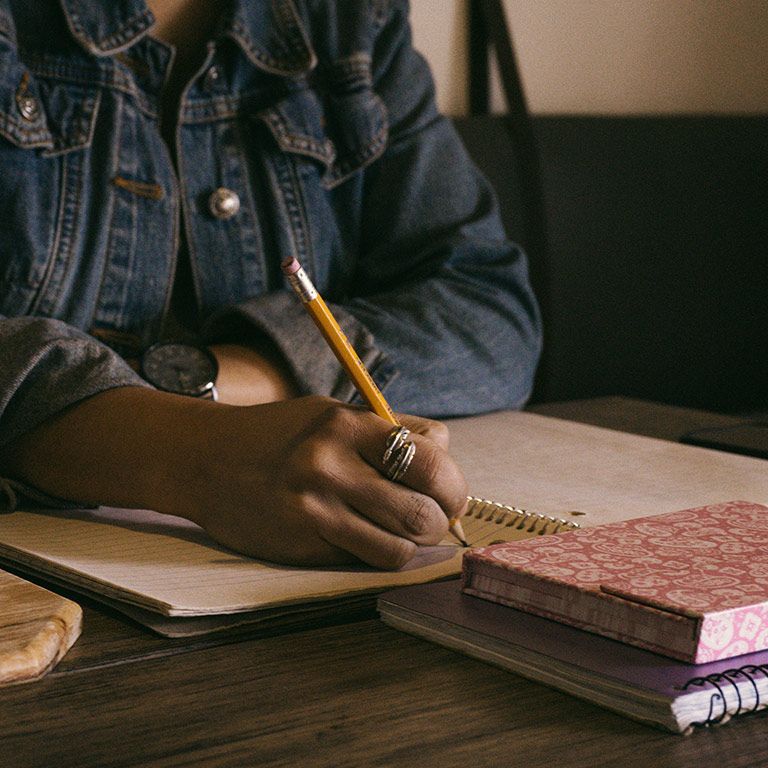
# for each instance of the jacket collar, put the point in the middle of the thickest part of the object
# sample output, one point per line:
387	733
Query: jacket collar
270	32
272	36
106	28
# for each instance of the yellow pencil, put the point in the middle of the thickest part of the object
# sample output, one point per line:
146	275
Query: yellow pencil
345	353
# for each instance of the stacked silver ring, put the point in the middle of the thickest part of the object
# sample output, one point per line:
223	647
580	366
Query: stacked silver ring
398	453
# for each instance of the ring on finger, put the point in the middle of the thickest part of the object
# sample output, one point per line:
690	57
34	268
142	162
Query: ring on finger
401	461
395	441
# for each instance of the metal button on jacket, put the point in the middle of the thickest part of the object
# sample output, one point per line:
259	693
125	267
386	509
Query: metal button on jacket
28	107
211	77
224	203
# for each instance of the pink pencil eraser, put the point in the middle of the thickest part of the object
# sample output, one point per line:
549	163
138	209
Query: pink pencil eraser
290	265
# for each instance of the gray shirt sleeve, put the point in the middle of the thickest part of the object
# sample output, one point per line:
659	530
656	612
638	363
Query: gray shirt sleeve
47	366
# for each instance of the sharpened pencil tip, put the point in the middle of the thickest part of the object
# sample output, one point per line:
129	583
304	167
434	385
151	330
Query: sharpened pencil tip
458	531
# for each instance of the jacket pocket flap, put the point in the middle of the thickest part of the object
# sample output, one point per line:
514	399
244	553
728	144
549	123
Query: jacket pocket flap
343	131
297	125
52	116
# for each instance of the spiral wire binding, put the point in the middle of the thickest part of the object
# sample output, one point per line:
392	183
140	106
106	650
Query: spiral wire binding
720	680
514	517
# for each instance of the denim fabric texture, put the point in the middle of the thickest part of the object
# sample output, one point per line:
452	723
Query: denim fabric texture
321	118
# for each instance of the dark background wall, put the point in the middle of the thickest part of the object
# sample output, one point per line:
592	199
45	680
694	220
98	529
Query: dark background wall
655	280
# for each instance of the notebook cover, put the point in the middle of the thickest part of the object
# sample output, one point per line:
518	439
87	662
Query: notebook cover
692	584
659	682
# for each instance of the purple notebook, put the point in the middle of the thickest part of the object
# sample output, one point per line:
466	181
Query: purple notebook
654	689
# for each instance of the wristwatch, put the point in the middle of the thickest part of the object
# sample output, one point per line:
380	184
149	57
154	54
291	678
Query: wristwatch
184	369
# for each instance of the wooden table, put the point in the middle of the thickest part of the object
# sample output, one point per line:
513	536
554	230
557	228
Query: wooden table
358	694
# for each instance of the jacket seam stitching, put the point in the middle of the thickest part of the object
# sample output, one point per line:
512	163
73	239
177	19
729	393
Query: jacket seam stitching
129	31
53	254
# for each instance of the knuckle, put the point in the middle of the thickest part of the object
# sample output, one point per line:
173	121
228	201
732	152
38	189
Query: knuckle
431	465
415	516
421	520
338	418
316	403
313	457
443	474
323	522
306	507
438	432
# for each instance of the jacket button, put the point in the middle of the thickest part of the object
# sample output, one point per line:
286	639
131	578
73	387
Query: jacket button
211	77
29	108
224	203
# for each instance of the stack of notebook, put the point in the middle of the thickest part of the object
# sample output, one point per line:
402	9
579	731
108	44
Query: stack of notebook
662	618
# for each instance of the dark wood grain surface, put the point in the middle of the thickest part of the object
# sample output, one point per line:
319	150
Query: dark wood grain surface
357	694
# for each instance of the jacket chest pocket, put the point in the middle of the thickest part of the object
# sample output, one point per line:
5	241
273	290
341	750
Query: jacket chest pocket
323	142
339	133
44	127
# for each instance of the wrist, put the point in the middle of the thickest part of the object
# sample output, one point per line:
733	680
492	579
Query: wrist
180	368
119	447
250	376
182	435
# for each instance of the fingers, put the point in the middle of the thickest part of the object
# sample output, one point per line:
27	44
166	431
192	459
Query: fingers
320	462
324	532
397	508
417	508
432	472
436	431
350	532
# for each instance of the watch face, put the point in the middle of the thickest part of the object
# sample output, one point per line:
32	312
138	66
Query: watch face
179	368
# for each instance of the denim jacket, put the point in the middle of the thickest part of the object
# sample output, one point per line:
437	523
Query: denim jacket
311	130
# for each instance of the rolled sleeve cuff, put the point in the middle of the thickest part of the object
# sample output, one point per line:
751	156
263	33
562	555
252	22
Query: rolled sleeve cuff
282	320
62	367
46	367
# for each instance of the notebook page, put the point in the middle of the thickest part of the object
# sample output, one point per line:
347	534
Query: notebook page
554	467
169	565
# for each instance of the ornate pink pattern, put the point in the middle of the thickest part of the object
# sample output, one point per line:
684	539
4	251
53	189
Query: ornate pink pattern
709	564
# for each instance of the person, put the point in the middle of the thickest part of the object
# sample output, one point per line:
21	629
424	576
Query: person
160	158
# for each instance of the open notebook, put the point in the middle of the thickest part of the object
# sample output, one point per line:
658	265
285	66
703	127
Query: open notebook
168	574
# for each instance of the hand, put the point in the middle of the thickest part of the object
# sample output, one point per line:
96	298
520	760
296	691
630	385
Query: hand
301	482
298	481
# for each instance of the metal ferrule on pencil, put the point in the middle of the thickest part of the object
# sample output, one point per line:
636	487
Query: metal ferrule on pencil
301	283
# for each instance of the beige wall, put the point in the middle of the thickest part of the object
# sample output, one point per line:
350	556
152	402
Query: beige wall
615	56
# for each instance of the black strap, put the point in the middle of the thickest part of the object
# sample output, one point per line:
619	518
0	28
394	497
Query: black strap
489	29
479	88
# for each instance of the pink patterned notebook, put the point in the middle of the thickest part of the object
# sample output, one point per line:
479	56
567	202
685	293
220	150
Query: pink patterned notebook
692	584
